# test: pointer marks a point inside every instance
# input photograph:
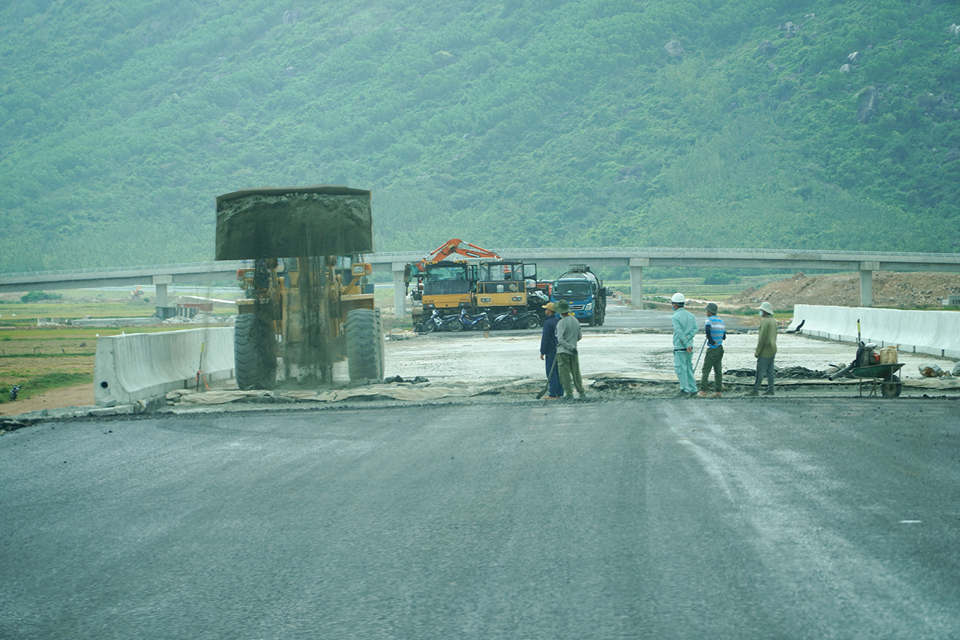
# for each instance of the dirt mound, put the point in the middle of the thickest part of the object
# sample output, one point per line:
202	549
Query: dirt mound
843	290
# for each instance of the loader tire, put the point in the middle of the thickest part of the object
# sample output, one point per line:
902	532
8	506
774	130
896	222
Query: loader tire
364	345
254	353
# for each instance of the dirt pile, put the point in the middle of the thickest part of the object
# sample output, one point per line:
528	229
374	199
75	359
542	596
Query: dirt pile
843	290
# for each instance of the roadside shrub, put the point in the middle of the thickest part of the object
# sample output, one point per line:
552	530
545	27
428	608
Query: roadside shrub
39	296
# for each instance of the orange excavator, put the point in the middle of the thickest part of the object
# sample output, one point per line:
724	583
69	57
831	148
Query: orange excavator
455	246
445	280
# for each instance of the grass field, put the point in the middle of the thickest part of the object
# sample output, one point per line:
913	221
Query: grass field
44	358
41	358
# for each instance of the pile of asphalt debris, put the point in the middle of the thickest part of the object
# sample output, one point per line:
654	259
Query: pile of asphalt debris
790	373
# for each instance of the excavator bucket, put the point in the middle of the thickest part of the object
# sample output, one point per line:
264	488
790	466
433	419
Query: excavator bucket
277	222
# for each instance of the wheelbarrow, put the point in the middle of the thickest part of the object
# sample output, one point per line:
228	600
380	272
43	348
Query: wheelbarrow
882	376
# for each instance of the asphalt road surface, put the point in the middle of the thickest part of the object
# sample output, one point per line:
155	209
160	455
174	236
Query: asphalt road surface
586	520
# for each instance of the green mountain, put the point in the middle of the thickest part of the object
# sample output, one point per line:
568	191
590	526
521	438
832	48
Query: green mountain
729	123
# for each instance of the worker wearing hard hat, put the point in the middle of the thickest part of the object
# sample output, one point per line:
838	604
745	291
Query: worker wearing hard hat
684	329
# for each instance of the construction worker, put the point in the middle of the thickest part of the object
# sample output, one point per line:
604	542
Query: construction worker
684	328
766	349
548	352
568	361
715	332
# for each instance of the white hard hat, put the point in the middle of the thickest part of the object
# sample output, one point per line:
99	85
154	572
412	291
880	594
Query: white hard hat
678	298
766	307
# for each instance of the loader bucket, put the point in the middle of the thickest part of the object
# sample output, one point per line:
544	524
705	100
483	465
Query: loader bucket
277	222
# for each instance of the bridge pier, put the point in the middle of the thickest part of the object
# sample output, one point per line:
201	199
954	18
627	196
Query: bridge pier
636	281
866	282
399	291
161	282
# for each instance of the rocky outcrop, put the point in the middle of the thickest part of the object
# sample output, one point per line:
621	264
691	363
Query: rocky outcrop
674	48
869	106
938	106
767	49
790	27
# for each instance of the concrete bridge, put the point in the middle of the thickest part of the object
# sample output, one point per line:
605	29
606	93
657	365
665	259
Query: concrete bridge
866	262
158	275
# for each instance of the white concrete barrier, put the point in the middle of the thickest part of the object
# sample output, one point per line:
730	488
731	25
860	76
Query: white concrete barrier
934	332
143	366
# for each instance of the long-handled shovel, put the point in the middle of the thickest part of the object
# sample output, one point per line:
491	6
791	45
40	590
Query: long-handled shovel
700	354
552	369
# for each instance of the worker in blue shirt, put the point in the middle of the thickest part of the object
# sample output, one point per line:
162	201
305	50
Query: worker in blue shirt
548	352
715	332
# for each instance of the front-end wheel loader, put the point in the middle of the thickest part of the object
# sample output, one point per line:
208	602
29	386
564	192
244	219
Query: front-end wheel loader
310	310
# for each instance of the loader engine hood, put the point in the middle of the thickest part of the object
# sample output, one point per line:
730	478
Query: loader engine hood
275	222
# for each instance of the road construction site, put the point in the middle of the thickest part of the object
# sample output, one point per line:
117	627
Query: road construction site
640	361
616	363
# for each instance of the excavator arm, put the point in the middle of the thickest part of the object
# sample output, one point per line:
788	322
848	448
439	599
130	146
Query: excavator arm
456	246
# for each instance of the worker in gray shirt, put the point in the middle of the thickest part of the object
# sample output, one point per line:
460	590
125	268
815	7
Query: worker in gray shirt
568	361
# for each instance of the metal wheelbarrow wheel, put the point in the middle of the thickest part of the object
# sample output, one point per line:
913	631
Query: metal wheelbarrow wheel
891	387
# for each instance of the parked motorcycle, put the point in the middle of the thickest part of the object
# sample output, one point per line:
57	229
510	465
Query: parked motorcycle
451	323
14	390
431	324
466	321
504	321
527	320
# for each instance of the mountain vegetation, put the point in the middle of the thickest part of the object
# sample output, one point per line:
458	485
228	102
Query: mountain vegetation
814	124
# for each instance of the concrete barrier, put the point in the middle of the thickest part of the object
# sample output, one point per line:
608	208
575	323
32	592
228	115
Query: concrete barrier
143	366
934	332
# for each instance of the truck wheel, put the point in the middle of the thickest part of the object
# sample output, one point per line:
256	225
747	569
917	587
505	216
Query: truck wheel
592	322
254	353
364	345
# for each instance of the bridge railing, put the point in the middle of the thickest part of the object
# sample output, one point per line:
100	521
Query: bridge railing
219	265
384	256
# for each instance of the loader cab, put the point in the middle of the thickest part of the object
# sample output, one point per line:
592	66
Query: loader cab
353	273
